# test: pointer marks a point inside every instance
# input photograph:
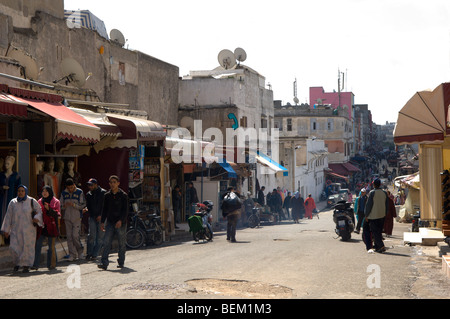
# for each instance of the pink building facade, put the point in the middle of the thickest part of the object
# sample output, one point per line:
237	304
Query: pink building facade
318	96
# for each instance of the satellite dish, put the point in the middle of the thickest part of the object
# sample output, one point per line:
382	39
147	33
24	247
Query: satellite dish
240	54
296	100
29	65
117	37
227	59
72	72
188	123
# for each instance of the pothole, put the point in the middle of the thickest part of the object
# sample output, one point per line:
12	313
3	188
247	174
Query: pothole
240	288
156	287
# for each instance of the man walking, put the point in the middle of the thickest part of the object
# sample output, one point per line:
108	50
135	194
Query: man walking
177	200
94	207
231	209
114	213
375	212
72	203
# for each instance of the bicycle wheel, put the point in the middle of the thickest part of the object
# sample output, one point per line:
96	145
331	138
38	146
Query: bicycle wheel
134	238
253	221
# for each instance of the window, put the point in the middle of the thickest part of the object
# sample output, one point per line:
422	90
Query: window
289	125
313	124
244	121
330	124
263	123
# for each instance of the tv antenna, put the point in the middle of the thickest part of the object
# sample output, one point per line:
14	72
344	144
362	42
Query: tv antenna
227	59
296	100
72	72
117	37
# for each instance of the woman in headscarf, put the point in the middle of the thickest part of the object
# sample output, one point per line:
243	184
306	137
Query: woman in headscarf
51	209
390	215
22	216
298	207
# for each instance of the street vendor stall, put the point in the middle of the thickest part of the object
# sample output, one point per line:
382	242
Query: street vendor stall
424	121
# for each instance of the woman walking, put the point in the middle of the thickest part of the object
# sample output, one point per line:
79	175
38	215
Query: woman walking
51	212
310	205
22	216
390	215
298	207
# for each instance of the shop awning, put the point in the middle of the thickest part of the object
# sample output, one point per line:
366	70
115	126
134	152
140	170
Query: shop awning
146	130
424	117
107	128
344	169
69	124
11	107
229	169
274	166
336	175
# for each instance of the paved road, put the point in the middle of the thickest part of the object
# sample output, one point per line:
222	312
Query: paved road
282	261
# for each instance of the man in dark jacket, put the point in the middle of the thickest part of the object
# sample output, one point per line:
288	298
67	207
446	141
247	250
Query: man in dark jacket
261	198
177	200
115	213
94	207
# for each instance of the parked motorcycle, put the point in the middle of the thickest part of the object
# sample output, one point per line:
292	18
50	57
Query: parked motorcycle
148	231
342	217
200	222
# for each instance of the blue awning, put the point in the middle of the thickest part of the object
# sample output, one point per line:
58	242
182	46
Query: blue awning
267	161
229	169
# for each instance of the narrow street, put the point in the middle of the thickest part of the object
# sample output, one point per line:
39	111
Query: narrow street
286	261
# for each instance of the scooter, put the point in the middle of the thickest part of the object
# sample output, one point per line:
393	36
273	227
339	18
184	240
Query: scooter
148	231
200	222
342	217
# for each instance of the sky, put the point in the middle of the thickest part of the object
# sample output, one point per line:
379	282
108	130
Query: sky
389	50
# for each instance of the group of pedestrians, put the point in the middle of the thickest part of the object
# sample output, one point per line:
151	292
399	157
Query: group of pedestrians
29	221
294	206
375	213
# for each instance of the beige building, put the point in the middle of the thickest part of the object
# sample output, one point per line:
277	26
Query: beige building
38	30
225	98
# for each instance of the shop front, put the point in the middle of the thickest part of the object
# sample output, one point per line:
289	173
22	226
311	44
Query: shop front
424	120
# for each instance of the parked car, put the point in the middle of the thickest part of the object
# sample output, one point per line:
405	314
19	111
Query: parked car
333	200
343	193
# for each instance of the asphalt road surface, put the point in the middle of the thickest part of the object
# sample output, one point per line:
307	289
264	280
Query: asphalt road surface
286	261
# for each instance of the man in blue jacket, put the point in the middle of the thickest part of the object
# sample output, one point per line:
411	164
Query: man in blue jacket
72	203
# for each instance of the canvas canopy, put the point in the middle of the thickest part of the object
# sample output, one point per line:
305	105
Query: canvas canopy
424	117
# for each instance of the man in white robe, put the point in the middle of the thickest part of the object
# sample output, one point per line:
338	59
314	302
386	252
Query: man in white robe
18	225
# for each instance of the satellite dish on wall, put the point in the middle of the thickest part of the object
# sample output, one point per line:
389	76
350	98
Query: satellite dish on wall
240	54
188	123
227	59
72	72
117	37
29	65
